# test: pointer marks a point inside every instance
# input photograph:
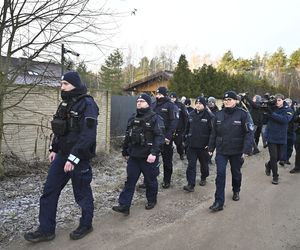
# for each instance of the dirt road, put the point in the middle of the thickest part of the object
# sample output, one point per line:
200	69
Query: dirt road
266	217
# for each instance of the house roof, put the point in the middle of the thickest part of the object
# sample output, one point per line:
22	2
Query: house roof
34	72
159	76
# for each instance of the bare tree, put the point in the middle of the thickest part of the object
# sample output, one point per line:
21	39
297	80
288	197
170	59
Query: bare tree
36	29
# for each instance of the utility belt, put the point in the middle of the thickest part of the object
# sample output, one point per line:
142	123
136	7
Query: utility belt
61	126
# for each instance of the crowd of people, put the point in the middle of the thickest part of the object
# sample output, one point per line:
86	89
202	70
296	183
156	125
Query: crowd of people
228	133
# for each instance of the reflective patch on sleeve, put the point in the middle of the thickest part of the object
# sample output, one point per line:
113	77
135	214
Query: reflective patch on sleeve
74	159
251	126
289	113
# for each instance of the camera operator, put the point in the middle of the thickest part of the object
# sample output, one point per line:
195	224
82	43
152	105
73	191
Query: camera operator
279	115
291	137
296	120
254	107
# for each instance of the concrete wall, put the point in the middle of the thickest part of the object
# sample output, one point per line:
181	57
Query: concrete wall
27	126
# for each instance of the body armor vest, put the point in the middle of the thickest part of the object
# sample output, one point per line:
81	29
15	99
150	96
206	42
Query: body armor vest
141	130
65	119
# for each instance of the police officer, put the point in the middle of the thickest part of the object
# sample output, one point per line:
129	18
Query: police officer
197	137
75	127
187	104
169	112
144	136
232	136
182	121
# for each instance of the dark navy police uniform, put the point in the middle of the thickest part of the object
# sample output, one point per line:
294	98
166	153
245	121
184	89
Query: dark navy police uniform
232	136
197	137
180	129
169	112
76	142
144	136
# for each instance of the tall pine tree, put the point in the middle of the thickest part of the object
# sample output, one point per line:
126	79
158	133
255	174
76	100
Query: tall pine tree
181	82
111	72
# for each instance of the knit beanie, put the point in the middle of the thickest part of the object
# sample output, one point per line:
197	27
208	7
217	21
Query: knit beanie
201	99
73	78
162	90
145	97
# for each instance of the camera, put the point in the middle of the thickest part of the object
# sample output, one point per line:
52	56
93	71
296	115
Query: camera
269	101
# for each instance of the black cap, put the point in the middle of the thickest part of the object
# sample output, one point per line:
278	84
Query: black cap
230	94
162	90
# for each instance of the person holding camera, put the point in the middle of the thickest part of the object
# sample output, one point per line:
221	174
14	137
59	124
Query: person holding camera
279	115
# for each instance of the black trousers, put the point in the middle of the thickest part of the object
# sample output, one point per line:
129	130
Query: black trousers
276	154
194	154
167	157
297	156
257	134
178	140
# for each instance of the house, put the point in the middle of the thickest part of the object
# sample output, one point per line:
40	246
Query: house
24	71
150	83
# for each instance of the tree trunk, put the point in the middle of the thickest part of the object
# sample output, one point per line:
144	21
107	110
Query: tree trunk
1	136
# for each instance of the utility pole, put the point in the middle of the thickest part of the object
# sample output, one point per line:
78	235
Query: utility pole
63	51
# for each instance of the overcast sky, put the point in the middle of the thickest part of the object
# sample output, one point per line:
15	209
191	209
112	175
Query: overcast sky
208	27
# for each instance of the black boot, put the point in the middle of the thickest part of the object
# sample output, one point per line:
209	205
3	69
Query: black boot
142	186
188	188
165	185
80	232
38	236
150	205
295	171
236	196
121	209
216	207
202	182
275	181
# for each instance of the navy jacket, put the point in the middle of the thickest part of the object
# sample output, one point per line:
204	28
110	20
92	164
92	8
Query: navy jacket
79	143
232	132
183	117
277	125
151	136
169	112
199	128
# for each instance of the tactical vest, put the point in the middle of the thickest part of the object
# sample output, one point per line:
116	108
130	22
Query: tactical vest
65	119
141	130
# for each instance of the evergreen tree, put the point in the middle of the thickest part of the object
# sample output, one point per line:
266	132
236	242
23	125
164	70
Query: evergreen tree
111	72
86	76
181	82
